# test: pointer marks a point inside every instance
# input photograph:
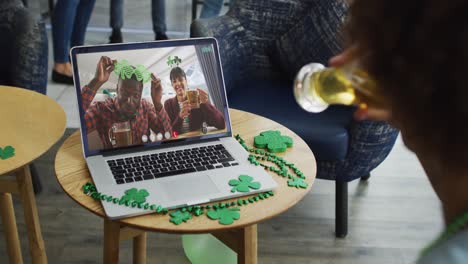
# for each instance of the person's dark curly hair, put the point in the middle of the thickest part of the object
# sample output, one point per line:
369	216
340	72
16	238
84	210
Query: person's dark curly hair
417	51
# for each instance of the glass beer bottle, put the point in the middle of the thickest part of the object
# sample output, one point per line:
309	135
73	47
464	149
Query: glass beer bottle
317	87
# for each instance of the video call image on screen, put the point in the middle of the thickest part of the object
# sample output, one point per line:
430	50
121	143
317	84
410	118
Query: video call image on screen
135	97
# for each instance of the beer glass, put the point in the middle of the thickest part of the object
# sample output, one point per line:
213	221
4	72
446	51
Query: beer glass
120	134
317	87
193	98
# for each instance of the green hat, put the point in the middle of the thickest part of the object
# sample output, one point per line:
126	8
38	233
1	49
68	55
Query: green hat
125	70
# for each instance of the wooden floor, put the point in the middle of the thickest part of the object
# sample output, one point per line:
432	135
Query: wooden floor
391	217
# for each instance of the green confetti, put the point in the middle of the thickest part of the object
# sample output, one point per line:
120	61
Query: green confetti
273	141
139	196
226	216
7	152
178	217
298	183
244	184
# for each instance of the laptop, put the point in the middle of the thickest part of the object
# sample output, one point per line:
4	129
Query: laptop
154	116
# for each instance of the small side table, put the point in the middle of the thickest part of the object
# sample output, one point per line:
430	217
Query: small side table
72	173
31	123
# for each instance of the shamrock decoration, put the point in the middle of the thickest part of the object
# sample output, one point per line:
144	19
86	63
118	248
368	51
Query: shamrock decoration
244	184
298	183
178	217
7	152
225	215
173	61
125	70
134	195
273	140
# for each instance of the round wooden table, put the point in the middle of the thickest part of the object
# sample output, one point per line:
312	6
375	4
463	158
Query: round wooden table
241	236
31	124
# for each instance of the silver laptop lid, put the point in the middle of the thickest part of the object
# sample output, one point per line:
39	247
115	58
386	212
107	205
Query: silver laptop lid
136	96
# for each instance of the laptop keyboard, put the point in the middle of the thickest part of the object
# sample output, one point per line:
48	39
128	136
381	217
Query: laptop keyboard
153	166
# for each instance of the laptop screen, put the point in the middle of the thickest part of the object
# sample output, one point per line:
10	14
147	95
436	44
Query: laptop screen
148	94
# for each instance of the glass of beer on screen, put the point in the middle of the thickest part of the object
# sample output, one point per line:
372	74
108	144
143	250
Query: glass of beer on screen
120	134
192	96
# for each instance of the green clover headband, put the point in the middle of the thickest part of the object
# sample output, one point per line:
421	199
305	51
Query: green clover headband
125	70
173	61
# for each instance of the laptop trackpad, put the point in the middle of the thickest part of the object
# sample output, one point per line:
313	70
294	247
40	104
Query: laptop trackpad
189	188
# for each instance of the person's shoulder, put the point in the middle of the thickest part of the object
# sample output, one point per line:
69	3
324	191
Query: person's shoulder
170	101
451	251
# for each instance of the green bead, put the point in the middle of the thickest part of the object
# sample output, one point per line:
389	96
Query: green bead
256	198
115	200
128	203
208	207
240	202
246	201
153	207
261	196
184	209
198	211
140	205
146	206
251	200
190	208
103	197
109	198
159	209
271	193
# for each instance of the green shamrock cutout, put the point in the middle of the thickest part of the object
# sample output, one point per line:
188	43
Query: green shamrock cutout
298	183
225	215
7	152
173	61
178	217
244	184
135	195
273	141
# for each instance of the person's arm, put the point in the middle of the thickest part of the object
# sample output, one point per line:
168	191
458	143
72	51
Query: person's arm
103	69
91	113
212	116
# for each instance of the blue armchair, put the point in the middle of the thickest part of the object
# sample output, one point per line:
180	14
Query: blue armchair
263	44
24	53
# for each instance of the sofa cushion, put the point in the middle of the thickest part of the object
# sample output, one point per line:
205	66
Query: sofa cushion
325	133
312	38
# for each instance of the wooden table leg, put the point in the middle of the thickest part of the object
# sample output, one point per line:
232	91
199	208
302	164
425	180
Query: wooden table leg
9	228
247	253
36	243
139	249
111	241
243	241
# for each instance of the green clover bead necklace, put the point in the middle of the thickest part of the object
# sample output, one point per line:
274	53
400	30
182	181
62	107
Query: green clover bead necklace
225	212
458	224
